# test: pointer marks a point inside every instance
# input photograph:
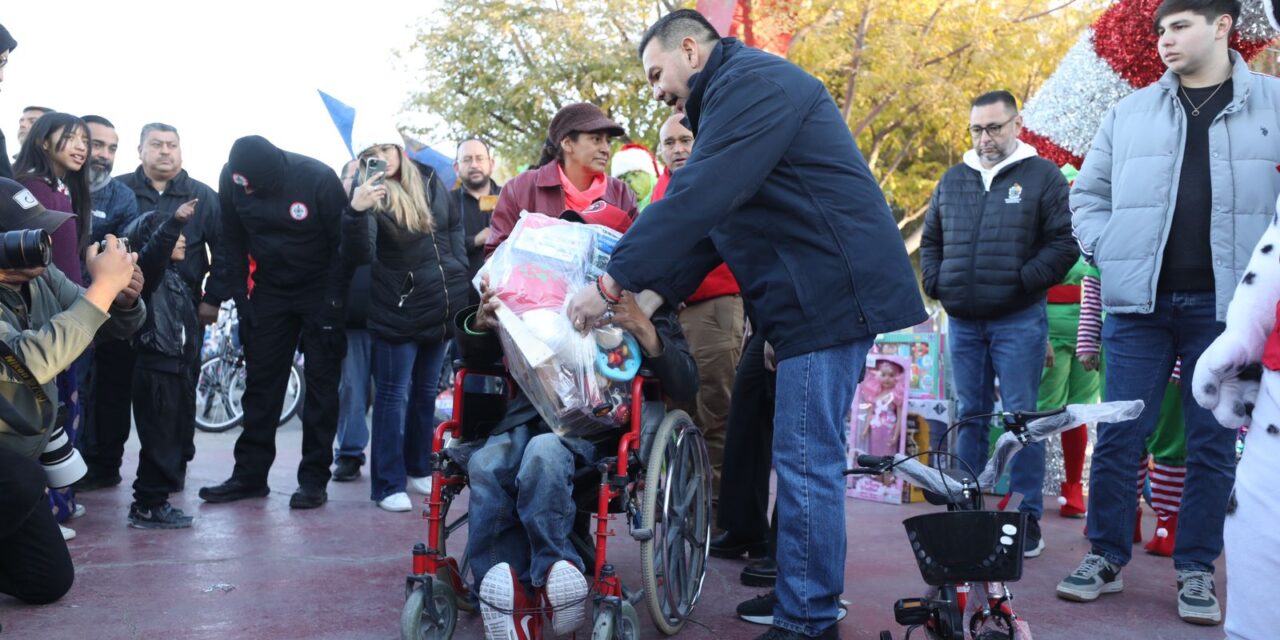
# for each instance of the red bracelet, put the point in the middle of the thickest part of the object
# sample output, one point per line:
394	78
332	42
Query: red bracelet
605	294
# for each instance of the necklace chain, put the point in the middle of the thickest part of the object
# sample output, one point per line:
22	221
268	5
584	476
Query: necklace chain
1195	109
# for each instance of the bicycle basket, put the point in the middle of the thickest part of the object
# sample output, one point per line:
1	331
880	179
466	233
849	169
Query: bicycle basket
967	546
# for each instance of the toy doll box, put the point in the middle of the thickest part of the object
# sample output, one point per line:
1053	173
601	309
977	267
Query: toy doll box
878	424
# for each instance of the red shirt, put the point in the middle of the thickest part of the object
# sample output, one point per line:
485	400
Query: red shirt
720	282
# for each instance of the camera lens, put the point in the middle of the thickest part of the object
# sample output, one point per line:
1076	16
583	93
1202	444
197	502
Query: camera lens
24	249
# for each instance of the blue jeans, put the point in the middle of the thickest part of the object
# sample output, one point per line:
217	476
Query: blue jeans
814	393
404	404
1011	348
1140	351
522	492
353	394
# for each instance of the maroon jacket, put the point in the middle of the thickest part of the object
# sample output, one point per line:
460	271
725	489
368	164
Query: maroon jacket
66	240
539	191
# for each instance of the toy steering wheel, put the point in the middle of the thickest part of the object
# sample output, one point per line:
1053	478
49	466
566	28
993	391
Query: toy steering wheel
620	363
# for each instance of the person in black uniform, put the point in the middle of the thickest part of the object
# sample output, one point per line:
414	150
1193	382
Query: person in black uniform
285	210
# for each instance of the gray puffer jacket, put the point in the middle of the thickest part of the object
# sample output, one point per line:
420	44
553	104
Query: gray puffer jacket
1122	203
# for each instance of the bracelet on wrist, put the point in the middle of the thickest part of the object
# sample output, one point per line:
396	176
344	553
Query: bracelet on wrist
604	293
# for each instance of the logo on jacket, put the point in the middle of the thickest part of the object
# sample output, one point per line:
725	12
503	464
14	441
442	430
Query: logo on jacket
1015	194
239	180
298	211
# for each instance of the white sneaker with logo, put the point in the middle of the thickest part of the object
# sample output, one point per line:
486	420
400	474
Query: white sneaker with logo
508	612
567	597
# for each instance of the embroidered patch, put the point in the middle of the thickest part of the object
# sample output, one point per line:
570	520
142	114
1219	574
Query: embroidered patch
298	211
239	179
25	199
1015	194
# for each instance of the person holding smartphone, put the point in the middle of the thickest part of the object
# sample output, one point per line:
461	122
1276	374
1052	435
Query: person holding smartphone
418	282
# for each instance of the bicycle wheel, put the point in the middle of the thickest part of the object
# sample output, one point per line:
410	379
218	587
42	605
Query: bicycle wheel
218	393
293	394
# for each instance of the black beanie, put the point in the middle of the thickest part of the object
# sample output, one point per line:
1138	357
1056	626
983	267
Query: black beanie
257	164
7	43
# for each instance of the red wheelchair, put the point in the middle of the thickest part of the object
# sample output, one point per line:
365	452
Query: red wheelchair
660	480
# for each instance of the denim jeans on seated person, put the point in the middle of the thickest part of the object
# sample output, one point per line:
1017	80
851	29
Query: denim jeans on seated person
404	408
1011	348
814	393
521	508
1140	350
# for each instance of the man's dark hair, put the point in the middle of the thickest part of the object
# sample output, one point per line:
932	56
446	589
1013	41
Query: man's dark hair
1210	9
98	120
7	43
993	97
42	110
472	139
157	126
676	26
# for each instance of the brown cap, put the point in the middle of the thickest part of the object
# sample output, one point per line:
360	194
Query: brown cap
20	210
581	116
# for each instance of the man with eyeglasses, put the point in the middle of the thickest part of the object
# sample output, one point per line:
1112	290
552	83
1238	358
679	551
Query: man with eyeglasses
997	235
476	197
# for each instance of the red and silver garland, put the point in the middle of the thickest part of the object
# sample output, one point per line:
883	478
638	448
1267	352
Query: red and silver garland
1113	58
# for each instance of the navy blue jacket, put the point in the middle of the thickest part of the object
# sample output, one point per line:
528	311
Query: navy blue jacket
114	206
777	187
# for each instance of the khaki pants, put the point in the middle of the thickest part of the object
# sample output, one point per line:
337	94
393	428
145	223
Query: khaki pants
714	330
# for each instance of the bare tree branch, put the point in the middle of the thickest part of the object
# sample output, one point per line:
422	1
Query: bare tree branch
855	64
873	113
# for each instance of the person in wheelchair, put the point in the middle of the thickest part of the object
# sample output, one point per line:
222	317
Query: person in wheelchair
522	474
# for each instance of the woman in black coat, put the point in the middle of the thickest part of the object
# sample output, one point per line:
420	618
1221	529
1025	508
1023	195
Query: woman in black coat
419	281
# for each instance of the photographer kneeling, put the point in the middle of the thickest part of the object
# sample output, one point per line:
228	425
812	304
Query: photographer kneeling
46	322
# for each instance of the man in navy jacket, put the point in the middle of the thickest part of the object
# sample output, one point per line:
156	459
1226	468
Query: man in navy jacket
777	187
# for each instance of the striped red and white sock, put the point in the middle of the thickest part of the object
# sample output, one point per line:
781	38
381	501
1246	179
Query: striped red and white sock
1166	489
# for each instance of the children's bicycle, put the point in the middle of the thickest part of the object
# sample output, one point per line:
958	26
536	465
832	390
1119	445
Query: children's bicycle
221	384
966	546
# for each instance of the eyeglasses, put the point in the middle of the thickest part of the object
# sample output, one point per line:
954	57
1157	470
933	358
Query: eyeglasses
991	129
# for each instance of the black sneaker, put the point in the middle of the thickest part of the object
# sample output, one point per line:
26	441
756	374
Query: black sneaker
232	490
308	498
1033	544
346	470
760	573
92	481
759	610
161	517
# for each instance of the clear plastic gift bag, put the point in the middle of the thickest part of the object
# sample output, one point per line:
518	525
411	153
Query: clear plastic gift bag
580	385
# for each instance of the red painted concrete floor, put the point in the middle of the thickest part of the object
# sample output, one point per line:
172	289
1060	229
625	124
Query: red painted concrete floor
338	572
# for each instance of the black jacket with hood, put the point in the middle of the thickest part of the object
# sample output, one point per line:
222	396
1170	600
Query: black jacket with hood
170	339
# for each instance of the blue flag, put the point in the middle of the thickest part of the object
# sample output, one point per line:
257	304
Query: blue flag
344	118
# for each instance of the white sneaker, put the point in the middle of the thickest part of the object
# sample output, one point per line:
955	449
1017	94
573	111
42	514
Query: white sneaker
507	611
396	502
567	594
420	485
78	512
67	532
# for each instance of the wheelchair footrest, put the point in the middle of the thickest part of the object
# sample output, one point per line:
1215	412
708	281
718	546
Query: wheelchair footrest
642	535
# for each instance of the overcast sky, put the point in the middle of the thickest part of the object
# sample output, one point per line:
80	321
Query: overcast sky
215	69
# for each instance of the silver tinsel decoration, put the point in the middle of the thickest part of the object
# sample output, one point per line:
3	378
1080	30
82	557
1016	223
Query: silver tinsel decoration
1253	21
1071	104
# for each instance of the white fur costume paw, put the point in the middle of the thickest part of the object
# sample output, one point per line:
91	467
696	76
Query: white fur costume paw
1230	381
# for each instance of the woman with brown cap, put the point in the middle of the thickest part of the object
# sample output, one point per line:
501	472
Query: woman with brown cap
571	175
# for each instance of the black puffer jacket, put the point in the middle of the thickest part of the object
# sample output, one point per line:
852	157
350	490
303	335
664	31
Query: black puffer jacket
988	253
418	280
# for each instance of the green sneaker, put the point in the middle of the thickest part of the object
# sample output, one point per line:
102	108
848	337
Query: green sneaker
1197	598
1094	577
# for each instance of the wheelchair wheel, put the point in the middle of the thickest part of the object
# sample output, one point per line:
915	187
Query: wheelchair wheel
418	622
677	507
607	625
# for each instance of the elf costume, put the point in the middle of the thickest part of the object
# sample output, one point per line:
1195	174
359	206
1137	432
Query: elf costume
1067	382
635	165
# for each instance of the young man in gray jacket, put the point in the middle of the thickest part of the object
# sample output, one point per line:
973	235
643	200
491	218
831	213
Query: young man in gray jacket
1177	188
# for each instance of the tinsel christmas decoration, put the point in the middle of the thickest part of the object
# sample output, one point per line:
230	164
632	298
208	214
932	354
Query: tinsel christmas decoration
1116	56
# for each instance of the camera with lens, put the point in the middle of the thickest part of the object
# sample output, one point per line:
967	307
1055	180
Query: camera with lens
25	249
124	244
61	461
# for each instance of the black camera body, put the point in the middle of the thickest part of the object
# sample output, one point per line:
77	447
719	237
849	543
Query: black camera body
25	249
